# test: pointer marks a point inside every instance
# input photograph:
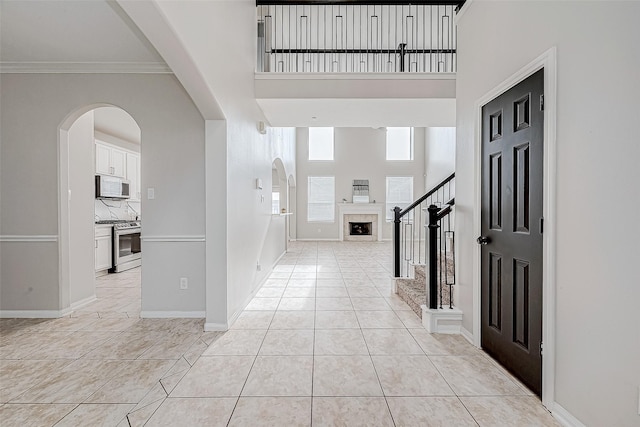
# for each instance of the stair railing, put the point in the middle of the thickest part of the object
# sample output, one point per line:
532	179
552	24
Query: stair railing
409	242
441	256
428	240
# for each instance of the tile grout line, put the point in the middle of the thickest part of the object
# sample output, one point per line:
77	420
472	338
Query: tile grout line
384	395
313	351
249	374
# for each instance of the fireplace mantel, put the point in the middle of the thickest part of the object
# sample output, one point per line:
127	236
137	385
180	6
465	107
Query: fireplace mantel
361	209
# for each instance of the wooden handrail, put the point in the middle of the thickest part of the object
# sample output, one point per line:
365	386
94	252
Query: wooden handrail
423	198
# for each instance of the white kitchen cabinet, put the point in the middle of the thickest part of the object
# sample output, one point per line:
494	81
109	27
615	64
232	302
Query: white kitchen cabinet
133	176
118	162
103	159
104	248
110	160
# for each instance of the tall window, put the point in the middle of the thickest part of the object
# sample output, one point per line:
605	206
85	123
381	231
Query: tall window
399	143
320	143
321	199
399	193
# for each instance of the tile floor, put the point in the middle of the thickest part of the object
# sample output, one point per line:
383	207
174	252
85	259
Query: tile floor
325	342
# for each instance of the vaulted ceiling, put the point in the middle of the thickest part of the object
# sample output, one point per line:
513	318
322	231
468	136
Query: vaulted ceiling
72	36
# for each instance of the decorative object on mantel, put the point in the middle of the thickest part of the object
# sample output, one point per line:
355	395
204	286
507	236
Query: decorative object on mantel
360	191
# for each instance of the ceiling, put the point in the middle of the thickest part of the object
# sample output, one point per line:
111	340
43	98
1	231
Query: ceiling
116	122
87	36
94	36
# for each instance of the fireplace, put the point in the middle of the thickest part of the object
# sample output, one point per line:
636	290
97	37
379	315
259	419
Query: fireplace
371	214
360	228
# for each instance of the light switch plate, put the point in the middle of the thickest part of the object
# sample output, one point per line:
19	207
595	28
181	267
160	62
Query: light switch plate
151	193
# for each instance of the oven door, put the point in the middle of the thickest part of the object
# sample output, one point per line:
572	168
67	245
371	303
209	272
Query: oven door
126	249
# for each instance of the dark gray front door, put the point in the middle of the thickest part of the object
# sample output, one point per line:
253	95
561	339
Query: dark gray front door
512	182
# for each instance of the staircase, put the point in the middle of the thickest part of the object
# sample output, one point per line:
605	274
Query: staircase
424	258
413	291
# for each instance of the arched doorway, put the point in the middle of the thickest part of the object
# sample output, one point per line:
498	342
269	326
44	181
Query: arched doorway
95	140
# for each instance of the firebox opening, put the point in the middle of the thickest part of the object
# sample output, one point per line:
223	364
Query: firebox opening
360	228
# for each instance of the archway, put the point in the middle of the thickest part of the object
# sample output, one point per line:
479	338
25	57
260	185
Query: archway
89	137
279	193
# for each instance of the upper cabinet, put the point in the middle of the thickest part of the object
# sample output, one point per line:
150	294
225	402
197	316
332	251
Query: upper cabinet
115	161
110	160
133	175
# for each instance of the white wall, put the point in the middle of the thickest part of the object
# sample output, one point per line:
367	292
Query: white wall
440	155
81	209
34	106
598	321
228	66
359	153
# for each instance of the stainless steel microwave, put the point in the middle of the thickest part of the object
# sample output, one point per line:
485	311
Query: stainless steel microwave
111	187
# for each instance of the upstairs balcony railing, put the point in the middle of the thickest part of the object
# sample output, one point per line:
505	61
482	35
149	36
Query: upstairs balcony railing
353	37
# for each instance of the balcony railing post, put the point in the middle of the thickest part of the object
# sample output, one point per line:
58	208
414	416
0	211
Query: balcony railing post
433	256
402	52
396	241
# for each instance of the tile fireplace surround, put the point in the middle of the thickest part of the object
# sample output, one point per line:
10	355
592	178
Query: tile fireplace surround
361	212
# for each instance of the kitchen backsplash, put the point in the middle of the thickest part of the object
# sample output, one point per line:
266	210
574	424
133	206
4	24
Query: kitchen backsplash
116	209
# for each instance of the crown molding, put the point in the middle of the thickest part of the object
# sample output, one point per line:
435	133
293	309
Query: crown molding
85	67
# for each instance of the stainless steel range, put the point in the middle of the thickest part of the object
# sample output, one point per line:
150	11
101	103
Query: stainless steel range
126	246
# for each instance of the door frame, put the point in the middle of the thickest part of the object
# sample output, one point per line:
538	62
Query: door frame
547	61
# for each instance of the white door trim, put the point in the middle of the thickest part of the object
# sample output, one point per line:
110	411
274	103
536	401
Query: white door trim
547	61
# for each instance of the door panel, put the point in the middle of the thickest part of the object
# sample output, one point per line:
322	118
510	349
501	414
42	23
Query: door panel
511	289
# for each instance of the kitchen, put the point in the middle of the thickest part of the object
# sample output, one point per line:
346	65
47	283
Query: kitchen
117	191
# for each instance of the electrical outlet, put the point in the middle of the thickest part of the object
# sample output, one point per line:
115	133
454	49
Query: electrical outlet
184	283
151	193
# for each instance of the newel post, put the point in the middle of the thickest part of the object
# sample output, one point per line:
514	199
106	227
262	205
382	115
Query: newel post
396	241
433	256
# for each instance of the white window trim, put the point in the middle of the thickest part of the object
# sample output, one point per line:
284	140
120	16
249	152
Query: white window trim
386	193
411	146
333	146
327	221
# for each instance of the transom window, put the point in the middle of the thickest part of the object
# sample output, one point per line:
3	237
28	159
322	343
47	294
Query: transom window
399	143
321	143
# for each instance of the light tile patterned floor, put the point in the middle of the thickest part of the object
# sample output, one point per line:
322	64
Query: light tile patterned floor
325	342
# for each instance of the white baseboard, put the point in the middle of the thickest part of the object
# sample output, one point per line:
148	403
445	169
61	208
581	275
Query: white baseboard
78	304
442	321
467	335
33	314
564	417
172	314
215	327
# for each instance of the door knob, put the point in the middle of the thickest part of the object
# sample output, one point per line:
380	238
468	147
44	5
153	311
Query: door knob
483	240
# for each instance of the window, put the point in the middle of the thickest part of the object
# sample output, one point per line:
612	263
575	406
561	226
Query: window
399	143
399	193
320	143
275	202
321	199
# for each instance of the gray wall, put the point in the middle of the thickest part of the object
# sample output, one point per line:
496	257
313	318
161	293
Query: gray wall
359	153
440	155
81	209
34	106
598	61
